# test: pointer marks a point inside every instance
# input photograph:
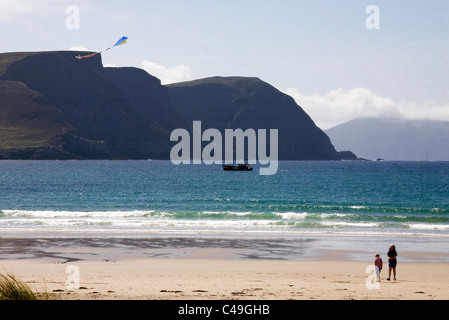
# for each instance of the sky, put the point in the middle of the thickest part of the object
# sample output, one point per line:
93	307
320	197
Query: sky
340	60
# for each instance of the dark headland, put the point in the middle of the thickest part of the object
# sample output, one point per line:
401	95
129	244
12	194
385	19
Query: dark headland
53	106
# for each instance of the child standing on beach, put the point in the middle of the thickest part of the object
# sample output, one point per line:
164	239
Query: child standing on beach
378	263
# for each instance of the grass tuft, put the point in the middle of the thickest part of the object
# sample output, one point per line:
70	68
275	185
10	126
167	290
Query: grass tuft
12	288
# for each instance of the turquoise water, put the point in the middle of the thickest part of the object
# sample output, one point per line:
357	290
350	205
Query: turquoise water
156	197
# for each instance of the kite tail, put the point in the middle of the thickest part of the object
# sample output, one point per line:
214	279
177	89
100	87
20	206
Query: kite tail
88	56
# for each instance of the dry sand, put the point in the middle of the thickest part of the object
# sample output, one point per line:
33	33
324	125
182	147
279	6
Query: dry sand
215	274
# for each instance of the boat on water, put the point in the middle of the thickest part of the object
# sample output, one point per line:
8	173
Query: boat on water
238	167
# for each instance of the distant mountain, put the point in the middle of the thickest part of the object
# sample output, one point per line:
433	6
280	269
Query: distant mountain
53	106
407	140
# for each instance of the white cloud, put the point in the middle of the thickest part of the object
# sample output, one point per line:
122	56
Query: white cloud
341	105
79	48
430	110
110	65
167	75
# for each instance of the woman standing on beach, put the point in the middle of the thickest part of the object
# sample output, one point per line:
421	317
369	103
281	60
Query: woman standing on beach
392	261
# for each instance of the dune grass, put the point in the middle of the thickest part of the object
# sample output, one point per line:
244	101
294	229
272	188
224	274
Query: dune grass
13	288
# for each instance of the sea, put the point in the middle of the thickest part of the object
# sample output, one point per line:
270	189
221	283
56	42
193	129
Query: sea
345	201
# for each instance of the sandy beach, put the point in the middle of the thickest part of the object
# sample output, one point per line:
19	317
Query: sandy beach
211	273
188	279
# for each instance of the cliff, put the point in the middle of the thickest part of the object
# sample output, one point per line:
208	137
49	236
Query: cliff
53	106
241	102
100	120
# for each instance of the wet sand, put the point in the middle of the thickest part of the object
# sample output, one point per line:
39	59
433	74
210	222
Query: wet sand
218	269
